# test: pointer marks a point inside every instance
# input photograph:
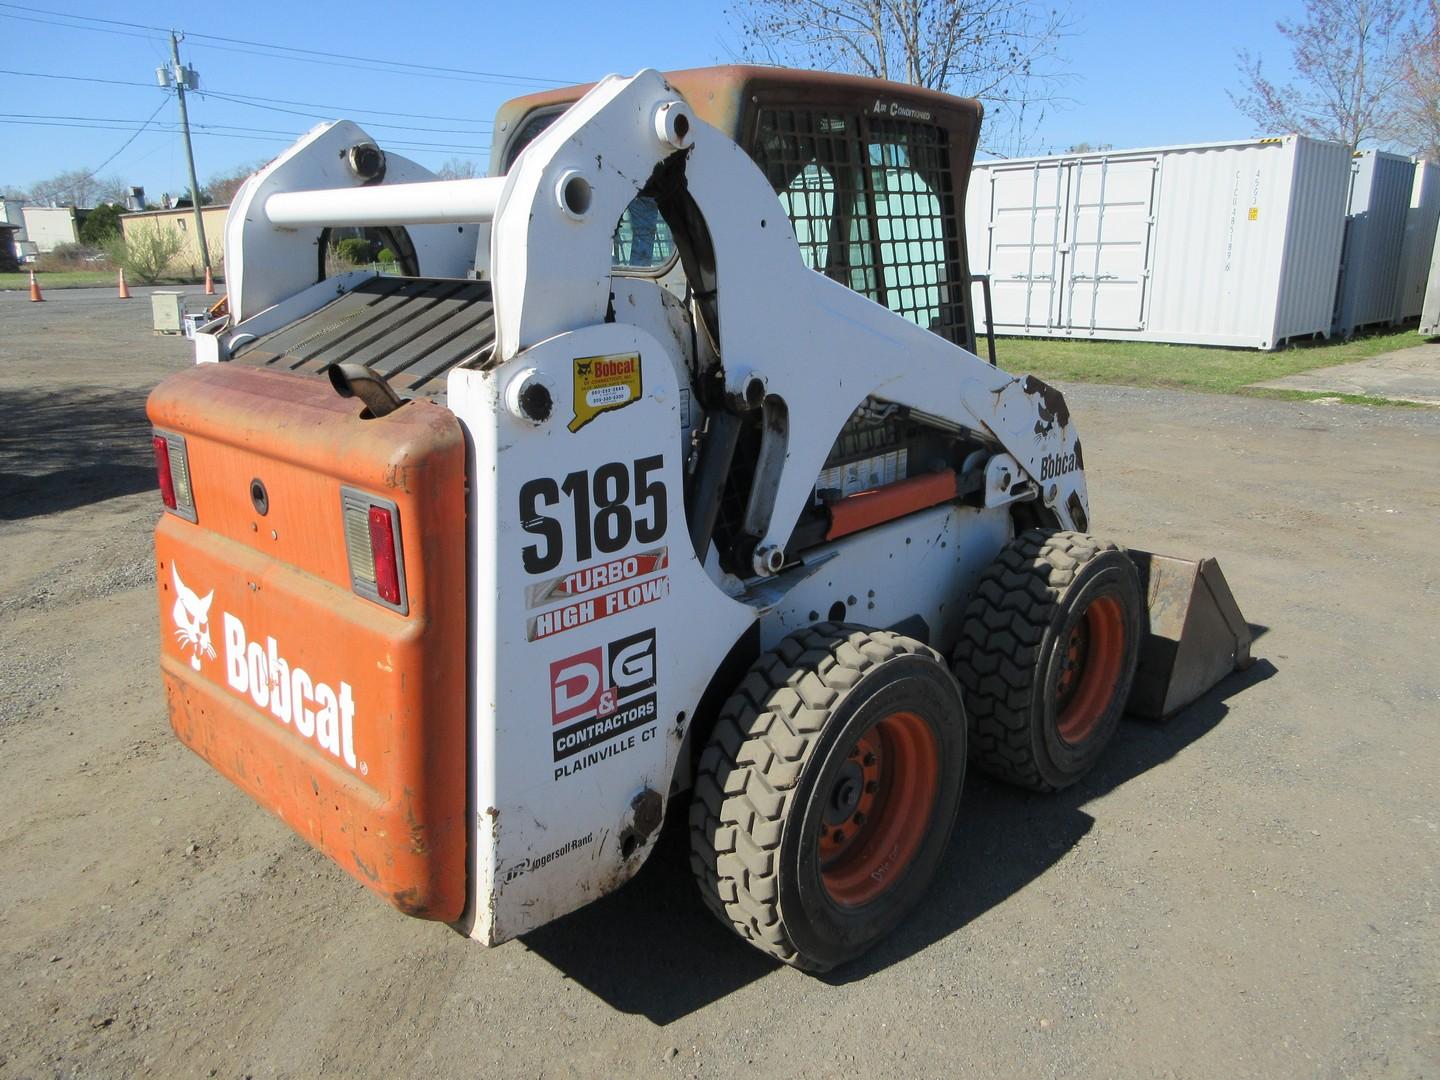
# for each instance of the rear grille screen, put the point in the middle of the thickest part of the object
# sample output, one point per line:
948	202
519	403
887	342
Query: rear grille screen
873	204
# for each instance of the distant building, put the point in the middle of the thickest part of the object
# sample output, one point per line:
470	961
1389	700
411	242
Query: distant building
9	247
183	221
18	240
51	226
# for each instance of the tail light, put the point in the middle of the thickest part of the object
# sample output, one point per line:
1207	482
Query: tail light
172	469
372	543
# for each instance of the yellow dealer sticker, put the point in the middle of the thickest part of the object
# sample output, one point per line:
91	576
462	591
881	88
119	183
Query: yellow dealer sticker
603	384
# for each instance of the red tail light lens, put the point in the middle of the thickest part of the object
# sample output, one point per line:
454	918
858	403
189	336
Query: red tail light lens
172	469
382	547
162	470
374	549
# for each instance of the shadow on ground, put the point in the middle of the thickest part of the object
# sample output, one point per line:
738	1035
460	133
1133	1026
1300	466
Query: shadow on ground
654	949
61	449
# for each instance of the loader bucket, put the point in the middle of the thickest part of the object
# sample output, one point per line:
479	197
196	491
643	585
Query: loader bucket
1196	636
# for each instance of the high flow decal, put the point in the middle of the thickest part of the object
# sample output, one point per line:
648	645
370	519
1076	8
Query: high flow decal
258	671
617	504
589	579
581	612
598	698
604	384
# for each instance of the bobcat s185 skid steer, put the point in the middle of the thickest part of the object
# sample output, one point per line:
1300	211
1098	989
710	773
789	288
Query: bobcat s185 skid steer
662	468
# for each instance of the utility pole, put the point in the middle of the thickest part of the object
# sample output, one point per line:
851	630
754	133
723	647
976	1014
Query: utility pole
182	77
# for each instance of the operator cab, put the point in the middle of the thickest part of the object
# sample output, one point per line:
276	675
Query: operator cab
871	174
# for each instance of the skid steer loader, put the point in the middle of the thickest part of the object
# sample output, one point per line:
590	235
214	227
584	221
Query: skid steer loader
661	469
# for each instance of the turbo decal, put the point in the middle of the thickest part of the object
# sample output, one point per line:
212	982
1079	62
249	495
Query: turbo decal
583	612
604	384
590	578
599	695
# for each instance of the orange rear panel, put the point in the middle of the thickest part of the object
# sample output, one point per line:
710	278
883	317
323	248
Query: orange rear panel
345	717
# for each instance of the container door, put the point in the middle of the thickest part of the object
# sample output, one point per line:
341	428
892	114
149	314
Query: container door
1027	240
1107	257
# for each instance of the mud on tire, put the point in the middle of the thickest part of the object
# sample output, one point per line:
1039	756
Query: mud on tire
1047	654
826	795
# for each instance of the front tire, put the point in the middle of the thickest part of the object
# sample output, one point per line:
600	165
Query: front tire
1047	655
826	796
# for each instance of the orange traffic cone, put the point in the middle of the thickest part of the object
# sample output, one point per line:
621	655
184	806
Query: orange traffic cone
209	283
35	296
124	293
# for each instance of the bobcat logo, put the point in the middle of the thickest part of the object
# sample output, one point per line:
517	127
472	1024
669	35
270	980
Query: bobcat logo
582	368
192	619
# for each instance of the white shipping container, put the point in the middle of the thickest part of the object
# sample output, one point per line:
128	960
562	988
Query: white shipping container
1214	244
1430	313
1420	224
1380	190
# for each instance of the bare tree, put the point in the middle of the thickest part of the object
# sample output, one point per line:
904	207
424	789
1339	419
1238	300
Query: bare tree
459	169
222	186
1004	52
1420	74
78	187
1347	57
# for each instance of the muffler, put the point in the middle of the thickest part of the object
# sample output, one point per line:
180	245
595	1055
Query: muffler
1196	634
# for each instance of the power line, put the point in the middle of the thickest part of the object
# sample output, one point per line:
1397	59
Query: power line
330	116
69	26
251	99
327	57
102	123
128	141
76	78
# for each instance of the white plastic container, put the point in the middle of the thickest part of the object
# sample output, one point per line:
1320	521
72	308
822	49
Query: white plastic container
1214	244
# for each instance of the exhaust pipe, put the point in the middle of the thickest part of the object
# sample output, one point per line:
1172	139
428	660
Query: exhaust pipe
367	384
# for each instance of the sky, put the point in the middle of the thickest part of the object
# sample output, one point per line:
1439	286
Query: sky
1139	74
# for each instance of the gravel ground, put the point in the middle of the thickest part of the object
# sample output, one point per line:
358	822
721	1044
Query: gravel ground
1247	890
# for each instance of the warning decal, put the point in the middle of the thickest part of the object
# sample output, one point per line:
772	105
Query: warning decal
603	384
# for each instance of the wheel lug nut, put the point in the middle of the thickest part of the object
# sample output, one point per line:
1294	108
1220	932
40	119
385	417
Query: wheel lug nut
839	836
869	759
872	786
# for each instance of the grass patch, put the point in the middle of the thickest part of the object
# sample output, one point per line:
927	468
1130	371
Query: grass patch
78	279
1189	367
58	279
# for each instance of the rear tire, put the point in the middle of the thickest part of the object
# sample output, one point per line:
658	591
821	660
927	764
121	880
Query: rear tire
1047	654
825	798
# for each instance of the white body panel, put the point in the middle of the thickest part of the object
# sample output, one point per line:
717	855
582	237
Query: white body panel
1219	244
592	643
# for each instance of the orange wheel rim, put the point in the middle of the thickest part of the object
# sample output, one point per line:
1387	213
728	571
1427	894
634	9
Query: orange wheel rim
878	810
1089	669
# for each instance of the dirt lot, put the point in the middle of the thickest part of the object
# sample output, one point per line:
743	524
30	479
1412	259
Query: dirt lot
1248	890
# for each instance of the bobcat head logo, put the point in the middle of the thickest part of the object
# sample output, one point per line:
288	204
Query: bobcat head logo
192	619
582	368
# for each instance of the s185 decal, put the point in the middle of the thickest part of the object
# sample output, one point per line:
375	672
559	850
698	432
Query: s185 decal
601	511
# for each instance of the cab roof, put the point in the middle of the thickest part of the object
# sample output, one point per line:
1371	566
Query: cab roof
719	96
